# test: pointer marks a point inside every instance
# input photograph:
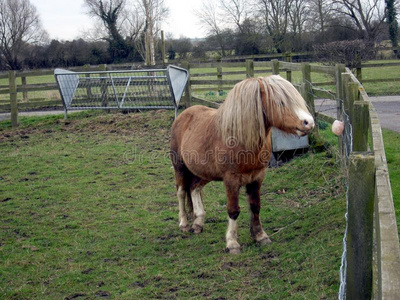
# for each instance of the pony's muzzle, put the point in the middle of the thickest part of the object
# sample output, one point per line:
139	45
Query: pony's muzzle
307	125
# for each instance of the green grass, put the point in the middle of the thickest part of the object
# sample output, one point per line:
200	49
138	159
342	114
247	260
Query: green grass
392	146
382	88
88	208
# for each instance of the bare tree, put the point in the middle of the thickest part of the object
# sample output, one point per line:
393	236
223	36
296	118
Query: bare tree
132	22
320	14
275	15
208	18
235	12
298	12
154	12
19	24
367	15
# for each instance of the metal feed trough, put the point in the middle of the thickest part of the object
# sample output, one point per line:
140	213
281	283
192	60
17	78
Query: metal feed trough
131	89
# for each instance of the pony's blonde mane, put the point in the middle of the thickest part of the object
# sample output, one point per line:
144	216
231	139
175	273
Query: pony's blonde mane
242	116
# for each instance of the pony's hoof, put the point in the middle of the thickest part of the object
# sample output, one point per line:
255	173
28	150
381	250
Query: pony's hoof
264	242
196	229
233	250
184	228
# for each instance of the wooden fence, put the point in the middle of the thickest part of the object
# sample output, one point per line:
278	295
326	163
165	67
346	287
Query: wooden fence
251	68
367	66
367	135
19	85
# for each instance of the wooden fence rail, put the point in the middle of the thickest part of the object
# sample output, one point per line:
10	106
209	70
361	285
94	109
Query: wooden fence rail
247	65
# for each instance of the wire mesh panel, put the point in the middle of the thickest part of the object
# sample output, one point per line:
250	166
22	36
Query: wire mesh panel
132	89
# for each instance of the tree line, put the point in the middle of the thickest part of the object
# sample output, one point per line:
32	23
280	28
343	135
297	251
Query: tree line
129	30
258	26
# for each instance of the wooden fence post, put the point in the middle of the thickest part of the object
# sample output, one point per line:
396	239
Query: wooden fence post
24	93
12	79
308	93
249	68
348	96
360	126
358	68
219	77
359	73
275	67
187	97
361	194
339	69
288	58
353	96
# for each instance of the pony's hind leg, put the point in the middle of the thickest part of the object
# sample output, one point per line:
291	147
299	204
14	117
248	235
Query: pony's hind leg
256	230
183	221
181	174
189	187
198	209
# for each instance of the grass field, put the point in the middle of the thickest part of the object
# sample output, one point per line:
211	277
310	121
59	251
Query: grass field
88	209
381	88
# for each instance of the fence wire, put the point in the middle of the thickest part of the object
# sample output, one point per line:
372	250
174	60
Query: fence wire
335	108
347	146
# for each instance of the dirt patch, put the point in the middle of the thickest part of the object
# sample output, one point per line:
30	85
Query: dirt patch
214	221
138	124
75	296
138	284
270	256
87	271
102	294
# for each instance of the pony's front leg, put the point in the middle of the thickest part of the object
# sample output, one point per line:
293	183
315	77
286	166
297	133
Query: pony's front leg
256	230
232	192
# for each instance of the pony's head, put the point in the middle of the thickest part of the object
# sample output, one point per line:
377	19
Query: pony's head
284	107
255	105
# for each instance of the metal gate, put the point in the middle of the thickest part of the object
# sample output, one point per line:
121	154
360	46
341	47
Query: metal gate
132	89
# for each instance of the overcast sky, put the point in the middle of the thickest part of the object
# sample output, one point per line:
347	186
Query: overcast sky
66	19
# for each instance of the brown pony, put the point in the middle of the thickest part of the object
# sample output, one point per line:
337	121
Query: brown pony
232	144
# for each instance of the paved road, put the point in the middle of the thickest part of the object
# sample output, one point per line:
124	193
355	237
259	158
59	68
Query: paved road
388	108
